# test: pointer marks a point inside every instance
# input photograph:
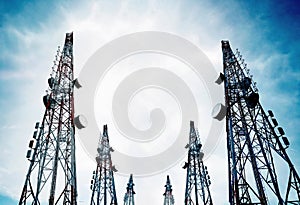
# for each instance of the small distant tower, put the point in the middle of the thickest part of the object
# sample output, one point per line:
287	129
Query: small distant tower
129	195
103	184
197	178
256	149
169	199
52	171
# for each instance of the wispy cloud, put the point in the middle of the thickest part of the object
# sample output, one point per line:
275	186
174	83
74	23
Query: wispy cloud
16	75
8	127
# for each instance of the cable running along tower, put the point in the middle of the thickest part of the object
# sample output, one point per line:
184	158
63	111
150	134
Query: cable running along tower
103	184
253	143
197	178
129	195
168	196
52	150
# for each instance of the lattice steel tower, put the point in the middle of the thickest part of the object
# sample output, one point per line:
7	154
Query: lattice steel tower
168	196
253	143
103	184
129	195
197	179
52	170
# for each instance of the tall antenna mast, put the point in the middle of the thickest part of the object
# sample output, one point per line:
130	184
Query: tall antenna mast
103	183
129	195
254	144
197	180
52	150
168	196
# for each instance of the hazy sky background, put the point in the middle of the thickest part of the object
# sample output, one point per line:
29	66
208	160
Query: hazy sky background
266	32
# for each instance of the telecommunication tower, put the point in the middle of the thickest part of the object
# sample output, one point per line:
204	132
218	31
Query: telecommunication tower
129	195
197	179
168	196
103	184
253	143
52	150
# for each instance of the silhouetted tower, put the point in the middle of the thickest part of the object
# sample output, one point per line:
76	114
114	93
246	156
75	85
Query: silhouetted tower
253	143
129	195
103	184
197	178
52	170
169	199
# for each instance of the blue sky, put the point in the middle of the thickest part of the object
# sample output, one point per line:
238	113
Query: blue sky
266	32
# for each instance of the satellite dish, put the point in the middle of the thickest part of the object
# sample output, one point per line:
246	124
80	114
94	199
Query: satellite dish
252	100
51	82
80	122
77	83
219	111
246	83
114	169
201	155
49	102
98	159
220	79
184	165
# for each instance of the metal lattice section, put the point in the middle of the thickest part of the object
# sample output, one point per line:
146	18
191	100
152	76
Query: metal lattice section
103	184
52	159
168	196
197	180
253	142
129	195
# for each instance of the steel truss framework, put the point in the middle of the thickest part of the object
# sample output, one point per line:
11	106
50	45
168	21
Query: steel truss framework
129	195
103	184
53	157
252	142
197	178
168	196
